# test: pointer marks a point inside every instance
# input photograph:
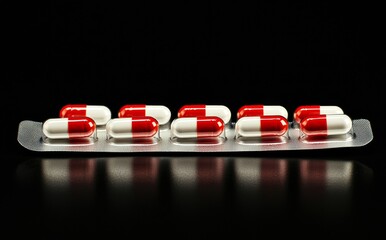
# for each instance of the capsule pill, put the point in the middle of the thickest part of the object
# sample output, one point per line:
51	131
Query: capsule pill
132	127
159	112
326	125
262	126
100	114
198	110
307	110
261	110
197	127
68	128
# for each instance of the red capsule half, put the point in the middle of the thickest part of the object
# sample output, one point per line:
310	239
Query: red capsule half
66	128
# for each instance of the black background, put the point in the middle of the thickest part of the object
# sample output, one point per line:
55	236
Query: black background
230	53
172	54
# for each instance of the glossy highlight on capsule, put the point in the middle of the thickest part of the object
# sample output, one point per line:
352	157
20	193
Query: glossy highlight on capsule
69	128
261	126
197	127
100	114
261	110
326	125
132	127
159	112
307	110
202	110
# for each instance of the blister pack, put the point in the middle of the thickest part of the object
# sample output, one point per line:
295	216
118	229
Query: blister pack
196	128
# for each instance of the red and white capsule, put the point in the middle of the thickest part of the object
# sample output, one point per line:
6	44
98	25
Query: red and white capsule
159	112
262	126
100	114
326	125
69	128
200	110
261	110
132	127
197	127
307	110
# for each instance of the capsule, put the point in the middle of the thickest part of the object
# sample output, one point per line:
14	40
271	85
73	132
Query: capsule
261	110
197	127
262	126
69	128
132	127
326	125
307	110
100	114
159	112
198	110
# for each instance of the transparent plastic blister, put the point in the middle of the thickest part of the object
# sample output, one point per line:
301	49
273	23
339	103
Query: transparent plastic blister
223	137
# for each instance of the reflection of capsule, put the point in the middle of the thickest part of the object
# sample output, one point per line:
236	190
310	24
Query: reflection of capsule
159	112
199	110
72	127
263	126
132	127
307	110
197	127
261	110
326	125
100	114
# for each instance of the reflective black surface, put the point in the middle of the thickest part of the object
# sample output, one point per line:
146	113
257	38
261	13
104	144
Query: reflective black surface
193	197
